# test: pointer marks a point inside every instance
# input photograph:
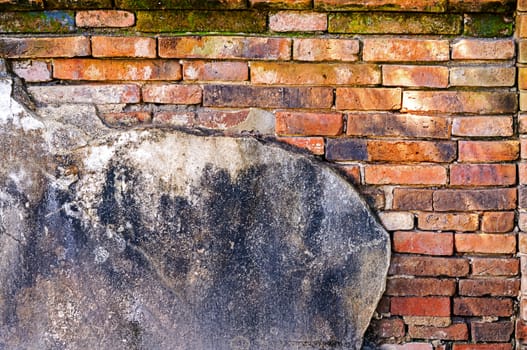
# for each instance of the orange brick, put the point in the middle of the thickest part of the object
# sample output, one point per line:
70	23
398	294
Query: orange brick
483	307
412	199
495	267
405	174
172	93
96	69
495	346
482	49
487	126
429	243
420	306
70	46
309	124
127	118
457	331
313	144
104	18
411	151
483	76
488	151
216	71
298	21
403	286
480	199
414	265
489	286
482	174
448	221
415	76
499	221
313	49
112	46
522	78
368	98
394	50
485	243
315	73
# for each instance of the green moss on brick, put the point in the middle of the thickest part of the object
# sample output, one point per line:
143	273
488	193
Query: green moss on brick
387	5
179	4
37	22
21	5
394	23
202	21
78	5
488	25
497	6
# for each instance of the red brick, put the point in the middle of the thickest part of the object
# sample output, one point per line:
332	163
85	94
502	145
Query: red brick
104	18
411	151
481	199
387	328
318	49
217	71
32	71
415	76
484	243
174	118
428	266
393	50
420	306
483	76
400	286
412	199
93	93
383	5
494	287
101	70
127	118
316	74
313	144
368	98
114	46
172	93
298	21
482	49
37	47
487	126
482	347
458	331
405	174
448	221
488	151
483	307
495	267
309	124
521	331
499	221
478	102
429	243
225	47
285	4
482	174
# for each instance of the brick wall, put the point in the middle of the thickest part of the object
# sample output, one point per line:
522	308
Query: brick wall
416	100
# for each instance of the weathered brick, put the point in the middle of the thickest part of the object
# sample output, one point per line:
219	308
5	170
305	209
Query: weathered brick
387	328
313	144
174	118
93	93
495	267
522	78
485	243
428	266
126	119
483	76
412	199
481	102
480	49
394	23
403	286
8	5
491	331
384	5
105	18
368	98
420	306
415	76
374	196
309	123
44	47
488	25
220	118
522	193
381	174
407	346
180	4
346	149
216	71
521	25
499	221
485	126
483	307
428	321
319	74
37	22
397	220
482	174
481	199
495	346
429	243
283	4
522	51
482	5
393	50
489	287
78	5
522	221
112	46
352	172
411	151
94	69
488	151
523	147
521	331
318	49
448	221
297	21
32	70
457	331
522	243
172	93
267	97
221	47
522	121
391	124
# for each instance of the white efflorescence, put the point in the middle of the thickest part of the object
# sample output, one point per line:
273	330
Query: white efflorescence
13	112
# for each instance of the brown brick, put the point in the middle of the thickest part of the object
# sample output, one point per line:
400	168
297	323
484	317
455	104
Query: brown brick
415	76
93	93
318	49
412	199
492	331
313	144
384	5
487	126
489	287
126	118
522	51
420	306
402	286
222	47
44	47
104	18
346	149
113	46
172	93
309	124
480	102
488	151
411	151
96	69
391	124
483	307
215	71
482	347
387	328
221	119
32	71
485	243
428	266
481	49
483	76
482	174
429	243
381	174
368	98
174	118
402	50
521	331
495	267
283	4
457	331
481	199
314	74
499	221
267	97
448	221
297	21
